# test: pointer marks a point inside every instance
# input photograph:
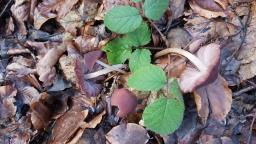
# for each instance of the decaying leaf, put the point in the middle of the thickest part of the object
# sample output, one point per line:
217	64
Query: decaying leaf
45	67
67	125
209	8
67	64
7	107
215	97
88	87
20	11
128	134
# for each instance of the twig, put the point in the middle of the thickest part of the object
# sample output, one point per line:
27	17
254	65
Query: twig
110	67
103	71
6	6
244	90
249	141
161	34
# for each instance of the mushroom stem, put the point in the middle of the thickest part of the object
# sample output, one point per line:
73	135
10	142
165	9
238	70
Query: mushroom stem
192	58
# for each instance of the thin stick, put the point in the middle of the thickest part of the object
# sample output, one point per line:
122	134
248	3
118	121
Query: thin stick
244	90
250	132
6	6
161	34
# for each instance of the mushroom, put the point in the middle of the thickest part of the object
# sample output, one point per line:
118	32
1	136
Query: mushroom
205	69
125	100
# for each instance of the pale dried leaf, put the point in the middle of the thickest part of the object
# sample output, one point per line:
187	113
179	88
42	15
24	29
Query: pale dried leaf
128	134
216	97
7	107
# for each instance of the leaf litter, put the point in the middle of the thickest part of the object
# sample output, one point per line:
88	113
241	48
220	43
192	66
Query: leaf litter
67	76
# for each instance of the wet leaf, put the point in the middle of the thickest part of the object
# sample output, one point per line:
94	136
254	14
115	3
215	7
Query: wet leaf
122	19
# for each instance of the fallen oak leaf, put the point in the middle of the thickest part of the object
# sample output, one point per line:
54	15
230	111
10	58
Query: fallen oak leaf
216	96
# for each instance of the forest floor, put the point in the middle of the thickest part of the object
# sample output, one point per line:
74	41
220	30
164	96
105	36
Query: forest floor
60	84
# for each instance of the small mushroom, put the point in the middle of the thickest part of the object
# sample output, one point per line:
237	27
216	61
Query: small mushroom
125	100
205	69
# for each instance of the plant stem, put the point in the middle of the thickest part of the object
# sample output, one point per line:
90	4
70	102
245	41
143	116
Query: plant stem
192	58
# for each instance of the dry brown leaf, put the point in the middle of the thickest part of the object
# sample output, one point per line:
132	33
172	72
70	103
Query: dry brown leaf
7	107
67	65
178	38
85	44
45	67
215	97
109	4
20	11
207	8
177	8
95	121
127	134
247	54
67	125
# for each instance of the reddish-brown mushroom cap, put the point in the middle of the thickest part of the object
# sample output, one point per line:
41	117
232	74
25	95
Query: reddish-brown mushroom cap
125	100
204	69
192	78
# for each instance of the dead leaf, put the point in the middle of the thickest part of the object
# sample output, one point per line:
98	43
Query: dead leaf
67	125
73	20
178	38
20	11
95	121
45	67
85	44
207	8
68	67
177	8
7	107
128	134
88	87
215	97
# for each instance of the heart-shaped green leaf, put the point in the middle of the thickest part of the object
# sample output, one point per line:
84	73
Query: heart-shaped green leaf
165	115
118	51
154	9
147	78
139	58
123	19
141	36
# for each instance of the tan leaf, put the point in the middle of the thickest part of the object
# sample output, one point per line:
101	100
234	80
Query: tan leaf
127	134
7	107
215	97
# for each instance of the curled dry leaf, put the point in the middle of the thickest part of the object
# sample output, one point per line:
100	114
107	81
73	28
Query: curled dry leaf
125	100
40	116
85	44
192	78
88	87
45	67
67	65
20	11
7	107
128	134
216	97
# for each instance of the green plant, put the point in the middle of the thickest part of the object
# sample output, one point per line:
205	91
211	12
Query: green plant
165	114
